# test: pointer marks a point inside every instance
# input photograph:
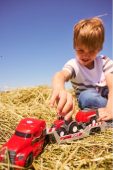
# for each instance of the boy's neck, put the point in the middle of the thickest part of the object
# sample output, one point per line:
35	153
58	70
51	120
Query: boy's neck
90	66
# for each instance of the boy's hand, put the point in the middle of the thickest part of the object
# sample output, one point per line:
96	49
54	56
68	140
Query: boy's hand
64	101
105	114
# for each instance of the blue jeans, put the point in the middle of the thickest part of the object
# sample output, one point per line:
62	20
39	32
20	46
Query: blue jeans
91	99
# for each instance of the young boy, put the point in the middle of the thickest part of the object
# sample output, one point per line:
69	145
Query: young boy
91	75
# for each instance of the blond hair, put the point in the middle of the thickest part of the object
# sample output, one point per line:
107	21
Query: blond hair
89	33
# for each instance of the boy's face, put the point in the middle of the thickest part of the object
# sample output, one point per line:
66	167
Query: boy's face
86	57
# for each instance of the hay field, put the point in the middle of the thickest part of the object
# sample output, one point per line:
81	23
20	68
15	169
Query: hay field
91	153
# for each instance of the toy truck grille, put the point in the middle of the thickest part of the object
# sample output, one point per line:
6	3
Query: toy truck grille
12	155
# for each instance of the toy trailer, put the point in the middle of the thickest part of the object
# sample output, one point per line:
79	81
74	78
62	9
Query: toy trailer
84	124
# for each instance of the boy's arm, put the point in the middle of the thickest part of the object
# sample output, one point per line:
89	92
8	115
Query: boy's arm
107	112
60	96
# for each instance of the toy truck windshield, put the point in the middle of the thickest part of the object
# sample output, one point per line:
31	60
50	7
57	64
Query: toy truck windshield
21	134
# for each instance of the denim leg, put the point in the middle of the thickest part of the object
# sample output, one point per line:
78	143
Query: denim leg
91	99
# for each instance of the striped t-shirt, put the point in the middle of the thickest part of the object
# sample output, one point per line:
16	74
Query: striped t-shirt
83	78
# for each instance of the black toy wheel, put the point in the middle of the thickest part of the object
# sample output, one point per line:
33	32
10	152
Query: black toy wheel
93	119
95	130
73	127
62	132
81	127
29	160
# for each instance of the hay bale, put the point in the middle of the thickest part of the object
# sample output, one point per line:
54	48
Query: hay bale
21	103
93	152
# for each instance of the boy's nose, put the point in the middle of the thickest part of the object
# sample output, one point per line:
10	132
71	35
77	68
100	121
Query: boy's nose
86	56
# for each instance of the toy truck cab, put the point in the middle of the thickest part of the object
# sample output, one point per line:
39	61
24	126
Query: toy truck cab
26	143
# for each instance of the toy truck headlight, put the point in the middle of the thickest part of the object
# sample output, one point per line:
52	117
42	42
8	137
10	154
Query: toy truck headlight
20	157
3	153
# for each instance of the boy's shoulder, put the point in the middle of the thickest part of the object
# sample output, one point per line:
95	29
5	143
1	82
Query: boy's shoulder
103	58
72	61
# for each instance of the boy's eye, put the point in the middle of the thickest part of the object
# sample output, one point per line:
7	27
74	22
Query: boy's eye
80	51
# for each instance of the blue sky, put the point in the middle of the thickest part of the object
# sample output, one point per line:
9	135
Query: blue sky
36	37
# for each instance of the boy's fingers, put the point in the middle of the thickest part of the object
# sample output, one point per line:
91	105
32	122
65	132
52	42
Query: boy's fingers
68	116
105	117
100	118
62	101
69	104
54	98
101	114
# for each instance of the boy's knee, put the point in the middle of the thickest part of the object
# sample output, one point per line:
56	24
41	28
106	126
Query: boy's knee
91	99
84	99
86	95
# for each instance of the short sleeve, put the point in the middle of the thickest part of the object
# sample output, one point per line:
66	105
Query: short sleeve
70	67
107	65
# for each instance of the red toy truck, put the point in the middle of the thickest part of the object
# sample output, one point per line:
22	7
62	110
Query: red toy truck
26	143
30	135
